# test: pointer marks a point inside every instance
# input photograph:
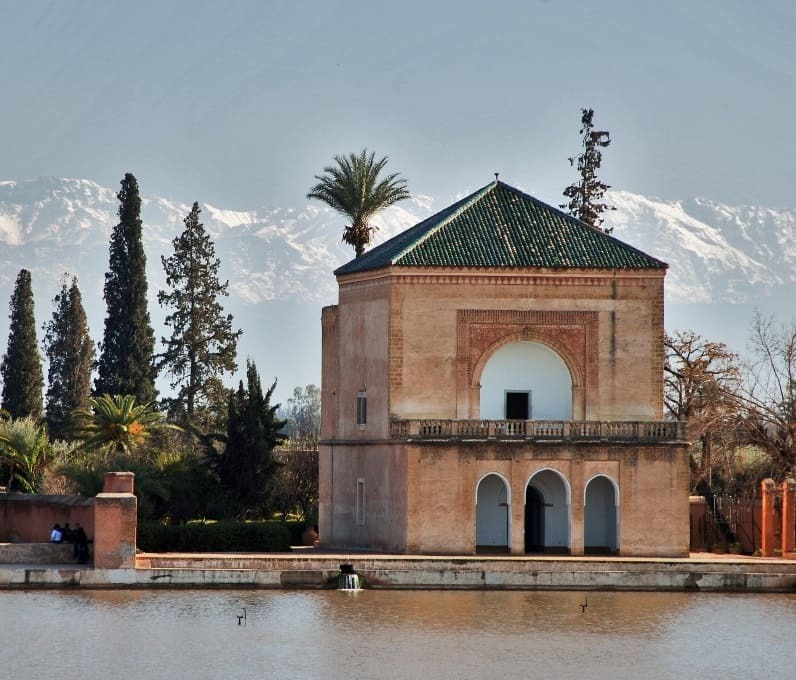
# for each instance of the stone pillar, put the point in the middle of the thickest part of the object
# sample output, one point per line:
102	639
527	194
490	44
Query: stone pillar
115	523
788	515
578	403
767	512
577	508
118	482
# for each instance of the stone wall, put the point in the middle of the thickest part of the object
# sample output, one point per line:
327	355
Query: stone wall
652	482
110	519
421	498
29	518
607	326
116	522
365	508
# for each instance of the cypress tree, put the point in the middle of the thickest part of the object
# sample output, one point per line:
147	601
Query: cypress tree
126	360
70	351
21	370
586	195
202	344
246	463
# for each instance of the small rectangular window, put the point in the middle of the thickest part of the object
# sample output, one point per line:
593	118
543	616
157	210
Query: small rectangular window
362	409
360	501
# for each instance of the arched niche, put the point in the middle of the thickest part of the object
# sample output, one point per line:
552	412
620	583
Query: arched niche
492	514
601	516
525	380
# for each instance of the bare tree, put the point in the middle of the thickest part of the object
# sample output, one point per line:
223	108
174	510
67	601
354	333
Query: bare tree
701	382
769	394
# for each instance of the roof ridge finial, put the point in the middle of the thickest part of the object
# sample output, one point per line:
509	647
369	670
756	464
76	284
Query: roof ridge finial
496	177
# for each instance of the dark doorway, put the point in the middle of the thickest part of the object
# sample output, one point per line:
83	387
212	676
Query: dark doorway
518	405
534	520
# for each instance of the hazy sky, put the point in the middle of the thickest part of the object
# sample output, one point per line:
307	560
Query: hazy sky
239	104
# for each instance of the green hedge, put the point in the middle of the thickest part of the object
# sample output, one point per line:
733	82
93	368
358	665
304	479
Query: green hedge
296	529
216	537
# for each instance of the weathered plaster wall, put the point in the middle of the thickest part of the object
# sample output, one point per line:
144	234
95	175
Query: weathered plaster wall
619	359
381	467
116	522
29	518
653	482
416	341
355	357
115	519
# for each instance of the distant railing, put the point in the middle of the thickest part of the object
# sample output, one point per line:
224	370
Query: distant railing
540	430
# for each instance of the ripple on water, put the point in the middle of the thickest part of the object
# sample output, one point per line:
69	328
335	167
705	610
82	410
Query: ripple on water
393	634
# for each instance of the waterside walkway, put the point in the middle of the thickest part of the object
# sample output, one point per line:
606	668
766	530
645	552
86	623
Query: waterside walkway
312	568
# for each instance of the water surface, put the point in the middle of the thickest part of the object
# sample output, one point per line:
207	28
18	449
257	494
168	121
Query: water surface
394	634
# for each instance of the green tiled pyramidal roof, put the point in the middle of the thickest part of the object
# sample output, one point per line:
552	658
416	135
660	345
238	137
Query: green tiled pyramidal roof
500	226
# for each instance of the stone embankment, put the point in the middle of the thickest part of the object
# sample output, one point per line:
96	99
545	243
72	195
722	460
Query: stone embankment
312	569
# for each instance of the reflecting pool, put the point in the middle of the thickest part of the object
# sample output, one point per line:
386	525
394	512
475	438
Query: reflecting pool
394	634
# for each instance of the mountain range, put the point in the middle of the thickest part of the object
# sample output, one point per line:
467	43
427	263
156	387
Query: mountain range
724	261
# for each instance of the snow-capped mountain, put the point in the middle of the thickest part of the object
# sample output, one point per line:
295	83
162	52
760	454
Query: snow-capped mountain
56	226
279	261
716	253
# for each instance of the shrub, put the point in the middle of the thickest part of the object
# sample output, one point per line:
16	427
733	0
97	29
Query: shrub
227	536
296	529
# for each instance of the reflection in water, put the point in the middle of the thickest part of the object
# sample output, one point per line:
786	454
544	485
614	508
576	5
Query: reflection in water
391	634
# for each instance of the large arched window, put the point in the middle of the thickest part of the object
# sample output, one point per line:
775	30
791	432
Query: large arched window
526	381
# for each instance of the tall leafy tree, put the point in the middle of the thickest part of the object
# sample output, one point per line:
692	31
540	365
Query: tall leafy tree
353	187
126	361
116	424
253	431
587	194
70	352
21	370
202	344
25	451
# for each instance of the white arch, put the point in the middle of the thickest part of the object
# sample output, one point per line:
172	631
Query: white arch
610	479
567	487
493	517
497	474
598	530
558	520
530	367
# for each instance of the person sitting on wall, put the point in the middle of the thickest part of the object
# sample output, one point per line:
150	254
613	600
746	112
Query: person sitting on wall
67	535
56	536
81	544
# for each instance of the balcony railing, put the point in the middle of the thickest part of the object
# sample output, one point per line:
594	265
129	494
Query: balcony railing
540	430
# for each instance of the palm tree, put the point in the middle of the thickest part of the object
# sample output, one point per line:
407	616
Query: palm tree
116	423
352	187
25	449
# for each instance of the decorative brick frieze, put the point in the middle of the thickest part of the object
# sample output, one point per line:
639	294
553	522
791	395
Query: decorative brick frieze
573	335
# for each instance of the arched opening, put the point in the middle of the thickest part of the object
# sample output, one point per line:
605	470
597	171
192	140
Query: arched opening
492	504
600	517
547	513
534	520
526	381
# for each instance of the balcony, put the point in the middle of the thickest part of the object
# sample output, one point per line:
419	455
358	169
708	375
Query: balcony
539	430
